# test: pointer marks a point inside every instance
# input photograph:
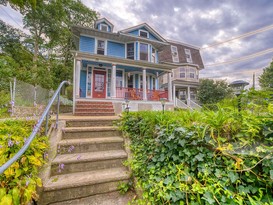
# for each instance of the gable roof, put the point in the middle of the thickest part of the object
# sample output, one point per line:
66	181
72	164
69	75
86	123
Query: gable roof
104	20
145	25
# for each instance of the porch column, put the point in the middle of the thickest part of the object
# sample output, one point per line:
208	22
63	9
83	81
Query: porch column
77	78
74	85
113	81
144	84
174	97
170	93
189	96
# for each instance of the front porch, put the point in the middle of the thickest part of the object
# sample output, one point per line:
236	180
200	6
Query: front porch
97	79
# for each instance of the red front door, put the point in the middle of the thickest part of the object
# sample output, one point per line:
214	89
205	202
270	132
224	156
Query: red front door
99	84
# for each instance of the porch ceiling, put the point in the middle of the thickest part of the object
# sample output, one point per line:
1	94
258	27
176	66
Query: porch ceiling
121	61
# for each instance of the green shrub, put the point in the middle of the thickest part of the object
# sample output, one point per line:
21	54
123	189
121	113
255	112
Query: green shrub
208	157
19	181
4	103
69	91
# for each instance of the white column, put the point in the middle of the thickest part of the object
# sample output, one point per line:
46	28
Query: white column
77	78
113	81
144	84
174	97
170	93
74	85
189	96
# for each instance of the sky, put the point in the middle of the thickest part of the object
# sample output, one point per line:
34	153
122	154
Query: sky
199	23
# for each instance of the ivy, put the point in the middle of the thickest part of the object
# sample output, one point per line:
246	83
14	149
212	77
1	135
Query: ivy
18	183
201	157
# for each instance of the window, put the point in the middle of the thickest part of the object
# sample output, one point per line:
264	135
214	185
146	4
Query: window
143	34
103	27
182	72
101	47
119	78
175	54
153	56
143	52
130	81
192	72
131	51
188	55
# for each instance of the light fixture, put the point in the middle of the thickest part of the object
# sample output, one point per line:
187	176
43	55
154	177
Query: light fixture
127	105
163	102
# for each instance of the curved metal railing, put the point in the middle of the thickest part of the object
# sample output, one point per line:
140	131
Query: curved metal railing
36	128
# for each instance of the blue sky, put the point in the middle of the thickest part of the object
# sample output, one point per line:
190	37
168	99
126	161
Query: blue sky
196	22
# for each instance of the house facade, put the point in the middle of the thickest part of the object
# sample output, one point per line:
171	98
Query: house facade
124	65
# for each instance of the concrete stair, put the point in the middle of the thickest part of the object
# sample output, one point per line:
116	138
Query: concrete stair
89	162
94	108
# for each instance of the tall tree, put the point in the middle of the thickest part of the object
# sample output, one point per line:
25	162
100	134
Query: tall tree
211	91
266	79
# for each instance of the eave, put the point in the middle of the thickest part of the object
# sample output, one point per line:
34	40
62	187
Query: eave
115	60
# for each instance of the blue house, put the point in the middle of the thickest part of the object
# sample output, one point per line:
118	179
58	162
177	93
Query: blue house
114	67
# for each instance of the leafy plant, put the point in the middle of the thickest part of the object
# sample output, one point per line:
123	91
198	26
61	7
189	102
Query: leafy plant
124	187
19	181
207	157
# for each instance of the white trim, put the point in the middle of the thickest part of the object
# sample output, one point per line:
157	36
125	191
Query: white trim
147	49
104	24
141	30
183	44
74	86
174	58
133	42
91	67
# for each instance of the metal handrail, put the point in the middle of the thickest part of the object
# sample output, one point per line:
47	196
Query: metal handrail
36	128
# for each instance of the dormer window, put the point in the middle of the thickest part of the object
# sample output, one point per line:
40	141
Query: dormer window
175	54
143	34
188	55
103	27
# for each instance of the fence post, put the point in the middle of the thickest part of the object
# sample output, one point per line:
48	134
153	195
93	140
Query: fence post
58	109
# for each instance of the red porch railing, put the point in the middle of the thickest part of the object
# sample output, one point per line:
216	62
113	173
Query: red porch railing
137	94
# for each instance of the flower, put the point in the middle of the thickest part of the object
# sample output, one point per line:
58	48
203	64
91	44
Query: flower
27	182
71	148
78	158
10	143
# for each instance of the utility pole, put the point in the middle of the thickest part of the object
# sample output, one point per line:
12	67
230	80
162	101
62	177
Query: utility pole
253	86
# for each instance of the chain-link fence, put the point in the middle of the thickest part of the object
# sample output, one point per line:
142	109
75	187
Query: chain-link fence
29	100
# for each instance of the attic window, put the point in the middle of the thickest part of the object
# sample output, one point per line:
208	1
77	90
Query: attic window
143	34
188	55
175	54
103	27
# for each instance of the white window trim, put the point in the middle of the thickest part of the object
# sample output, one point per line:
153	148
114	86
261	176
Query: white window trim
175	59
188	52
149	59
134	50
141	30
91	87
122	75
105	45
103	24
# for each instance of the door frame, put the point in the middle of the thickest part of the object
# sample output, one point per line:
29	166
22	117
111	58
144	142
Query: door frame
105	81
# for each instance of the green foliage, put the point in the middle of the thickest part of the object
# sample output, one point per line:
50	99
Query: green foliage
208	157
124	187
266	79
211	91
18	183
4	103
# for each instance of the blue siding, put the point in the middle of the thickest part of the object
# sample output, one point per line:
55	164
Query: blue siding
116	49
152	37
136	80
83	84
87	44
135	32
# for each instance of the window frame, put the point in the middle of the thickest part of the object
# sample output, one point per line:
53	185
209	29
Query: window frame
147	51
174	52
188	55
97	46
140	30
133	57
105	25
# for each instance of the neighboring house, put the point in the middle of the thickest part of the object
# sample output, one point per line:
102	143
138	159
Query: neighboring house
185	77
111	66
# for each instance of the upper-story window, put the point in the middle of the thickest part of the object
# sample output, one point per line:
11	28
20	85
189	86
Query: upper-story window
103	27
192	72
143	34
182	72
153	55
143	53
175	54
101	47
131	51
188	55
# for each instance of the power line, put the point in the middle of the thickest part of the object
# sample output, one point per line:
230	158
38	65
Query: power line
12	18
240	36
244	58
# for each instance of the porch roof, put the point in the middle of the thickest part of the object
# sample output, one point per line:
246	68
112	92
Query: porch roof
122	61
120	37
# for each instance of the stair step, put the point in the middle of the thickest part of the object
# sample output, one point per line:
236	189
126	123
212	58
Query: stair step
94	113
90	144
91	122
93	103
85	132
94	110
87	161
94	106
82	184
